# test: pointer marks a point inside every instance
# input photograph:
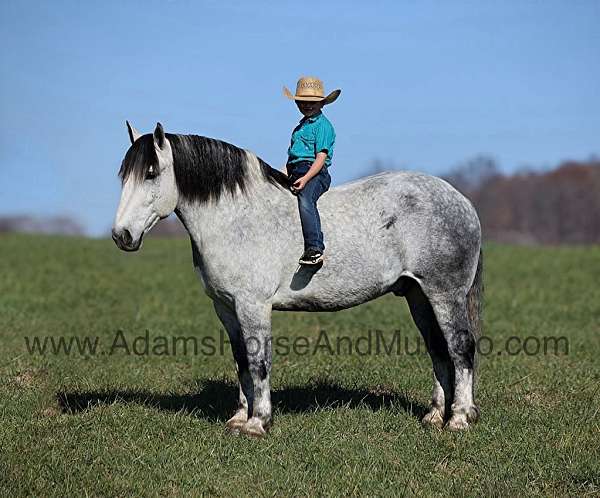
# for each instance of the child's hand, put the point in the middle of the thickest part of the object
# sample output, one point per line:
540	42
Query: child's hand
299	183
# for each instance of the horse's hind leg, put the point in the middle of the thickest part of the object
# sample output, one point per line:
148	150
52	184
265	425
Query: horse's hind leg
443	372
451	314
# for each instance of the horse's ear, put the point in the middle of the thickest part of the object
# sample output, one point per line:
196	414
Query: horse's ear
133	133
159	136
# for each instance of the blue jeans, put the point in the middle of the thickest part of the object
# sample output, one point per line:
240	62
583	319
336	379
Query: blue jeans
307	202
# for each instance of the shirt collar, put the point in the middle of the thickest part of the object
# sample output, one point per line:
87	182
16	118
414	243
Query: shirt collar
311	119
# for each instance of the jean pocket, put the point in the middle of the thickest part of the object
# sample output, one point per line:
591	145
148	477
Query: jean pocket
324	185
325	180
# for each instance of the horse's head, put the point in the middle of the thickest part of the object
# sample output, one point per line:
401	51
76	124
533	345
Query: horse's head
149	190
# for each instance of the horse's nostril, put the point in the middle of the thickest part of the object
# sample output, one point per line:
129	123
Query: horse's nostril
126	237
123	237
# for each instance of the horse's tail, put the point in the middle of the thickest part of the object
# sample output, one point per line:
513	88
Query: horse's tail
475	312
475	300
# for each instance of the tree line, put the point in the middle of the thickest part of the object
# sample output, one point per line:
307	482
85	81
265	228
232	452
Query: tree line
558	206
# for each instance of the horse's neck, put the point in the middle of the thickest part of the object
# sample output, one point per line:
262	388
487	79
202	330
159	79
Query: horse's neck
213	223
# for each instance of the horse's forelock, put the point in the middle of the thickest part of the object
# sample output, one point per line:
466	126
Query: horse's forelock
138	159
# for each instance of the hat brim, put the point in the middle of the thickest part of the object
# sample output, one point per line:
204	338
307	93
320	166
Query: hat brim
325	100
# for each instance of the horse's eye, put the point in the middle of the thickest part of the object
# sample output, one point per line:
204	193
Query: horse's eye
152	173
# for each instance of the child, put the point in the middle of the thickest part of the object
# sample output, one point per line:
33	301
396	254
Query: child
309	157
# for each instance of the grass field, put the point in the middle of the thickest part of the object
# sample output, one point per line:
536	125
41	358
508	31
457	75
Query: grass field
348	424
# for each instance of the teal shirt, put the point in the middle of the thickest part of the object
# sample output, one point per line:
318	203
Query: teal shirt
312	135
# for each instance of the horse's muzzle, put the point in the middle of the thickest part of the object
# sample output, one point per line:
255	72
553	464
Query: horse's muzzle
125	241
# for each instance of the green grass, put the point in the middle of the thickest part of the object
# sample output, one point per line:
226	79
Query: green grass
127	424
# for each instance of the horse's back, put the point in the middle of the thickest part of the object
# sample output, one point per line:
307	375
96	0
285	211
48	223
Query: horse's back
404	207
409	192
382	227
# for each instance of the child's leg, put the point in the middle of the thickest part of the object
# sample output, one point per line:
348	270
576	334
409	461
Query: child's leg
309	214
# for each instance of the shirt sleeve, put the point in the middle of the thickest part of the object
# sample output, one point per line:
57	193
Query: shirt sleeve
324	138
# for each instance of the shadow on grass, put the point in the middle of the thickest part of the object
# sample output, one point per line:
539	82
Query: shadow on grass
216	400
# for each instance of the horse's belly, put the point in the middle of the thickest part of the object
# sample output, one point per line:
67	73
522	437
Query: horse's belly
332	286
323	301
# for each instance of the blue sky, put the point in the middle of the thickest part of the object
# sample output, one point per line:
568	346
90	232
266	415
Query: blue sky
425	85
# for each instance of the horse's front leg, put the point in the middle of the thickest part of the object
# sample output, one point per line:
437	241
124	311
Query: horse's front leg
251	346
232	326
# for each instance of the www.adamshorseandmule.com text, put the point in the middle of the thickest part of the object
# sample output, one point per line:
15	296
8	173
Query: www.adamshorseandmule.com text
373	342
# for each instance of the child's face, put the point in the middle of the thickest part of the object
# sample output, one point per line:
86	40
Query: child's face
308	108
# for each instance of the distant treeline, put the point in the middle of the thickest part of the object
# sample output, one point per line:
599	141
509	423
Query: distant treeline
559	206
25	223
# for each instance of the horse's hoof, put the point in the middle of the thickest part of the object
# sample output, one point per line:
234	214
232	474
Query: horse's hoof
457	423
235	423
433	419
253	428
473	414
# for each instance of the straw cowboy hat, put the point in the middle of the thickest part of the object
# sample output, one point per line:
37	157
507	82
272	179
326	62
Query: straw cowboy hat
311	90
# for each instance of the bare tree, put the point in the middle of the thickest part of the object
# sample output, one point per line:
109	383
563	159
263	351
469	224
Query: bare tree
473	173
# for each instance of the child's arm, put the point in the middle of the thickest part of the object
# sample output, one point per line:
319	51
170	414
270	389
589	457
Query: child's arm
317	165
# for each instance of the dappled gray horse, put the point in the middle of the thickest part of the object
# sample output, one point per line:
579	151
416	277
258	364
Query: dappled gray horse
403	232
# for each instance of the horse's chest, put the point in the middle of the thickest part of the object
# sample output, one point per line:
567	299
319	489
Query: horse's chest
215	285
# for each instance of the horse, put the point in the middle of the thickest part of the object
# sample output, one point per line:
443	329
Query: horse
405	233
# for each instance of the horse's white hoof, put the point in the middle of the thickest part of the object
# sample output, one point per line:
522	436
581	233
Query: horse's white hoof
457	423
253	428
234	426
434	419
235	423
473	414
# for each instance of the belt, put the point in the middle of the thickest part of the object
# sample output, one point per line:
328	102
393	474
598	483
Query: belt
300	163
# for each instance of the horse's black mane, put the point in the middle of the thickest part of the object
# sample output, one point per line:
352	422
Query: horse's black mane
204	167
